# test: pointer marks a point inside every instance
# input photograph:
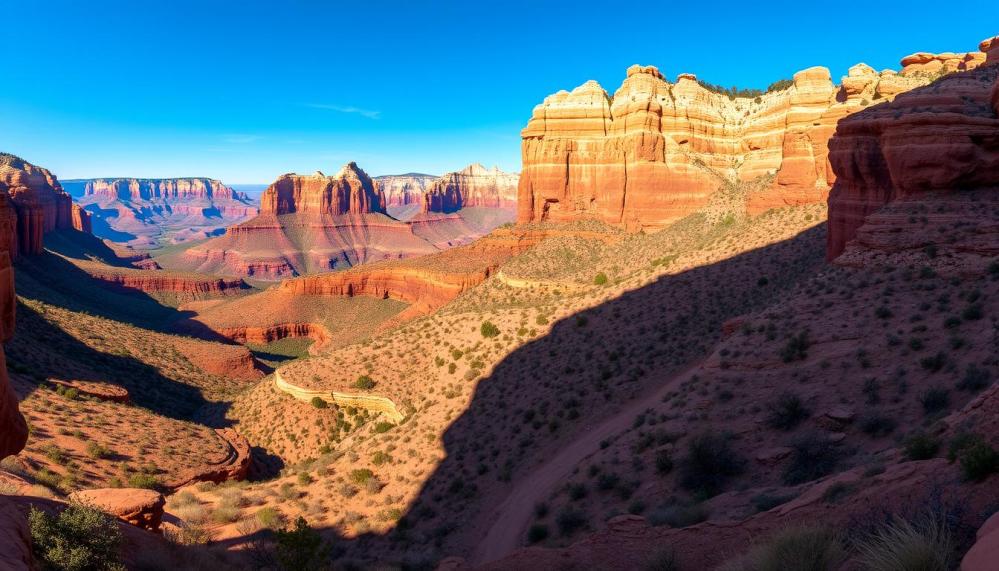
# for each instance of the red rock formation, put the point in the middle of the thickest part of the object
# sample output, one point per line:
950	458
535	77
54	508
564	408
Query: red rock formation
150	281
350	191
39	201
234	465
404	189
940	138
262	335
472	186
139	507
81	219
655	151
137	189
97	390
984	554
13	429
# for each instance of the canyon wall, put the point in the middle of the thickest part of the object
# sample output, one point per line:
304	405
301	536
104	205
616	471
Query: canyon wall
155	188
350	191
475	185
13	429
39	203
939	139
404	189
655	151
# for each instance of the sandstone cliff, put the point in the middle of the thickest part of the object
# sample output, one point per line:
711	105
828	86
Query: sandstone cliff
13	429
308	224
942	139
404	189
654	151
39	202
472	186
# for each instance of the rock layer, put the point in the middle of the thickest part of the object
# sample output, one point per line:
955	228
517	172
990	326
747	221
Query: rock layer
656	150
139	507
13	429
942	138
40	205
404	189
475	185
350	191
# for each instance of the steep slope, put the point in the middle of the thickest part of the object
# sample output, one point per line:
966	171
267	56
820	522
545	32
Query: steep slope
636	159
146	213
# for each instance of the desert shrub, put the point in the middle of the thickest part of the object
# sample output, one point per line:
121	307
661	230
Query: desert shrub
381	427
934	363
97	450
877	425
662	560
270	518
304	479
318	402
921	447
664	461
537	532
904	546
142	480
709	463
812	456
979	461
794	549
786	412
80	538
488	329
364	382
569	520
934	400
796	348
975	379
300	548
600	279
361	475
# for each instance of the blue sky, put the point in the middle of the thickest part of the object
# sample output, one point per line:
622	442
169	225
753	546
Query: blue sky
245	91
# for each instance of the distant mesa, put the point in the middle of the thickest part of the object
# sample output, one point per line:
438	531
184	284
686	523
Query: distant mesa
473	186
404	192
319	223
655	151
149	213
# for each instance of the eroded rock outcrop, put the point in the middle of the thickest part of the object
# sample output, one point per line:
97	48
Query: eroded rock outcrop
654	151
232	465
139	507
154	281
39	202
309	224
473	186
942	138
404	189
13	429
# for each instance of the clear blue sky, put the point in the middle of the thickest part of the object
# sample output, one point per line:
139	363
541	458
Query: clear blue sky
245	91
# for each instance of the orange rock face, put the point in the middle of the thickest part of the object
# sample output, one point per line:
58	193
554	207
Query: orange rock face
350	191
39	201
139	507
160	281
404	189
472	186
13	429
136	189
942	138
656	150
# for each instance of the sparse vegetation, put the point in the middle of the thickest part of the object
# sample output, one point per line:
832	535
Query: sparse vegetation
79	538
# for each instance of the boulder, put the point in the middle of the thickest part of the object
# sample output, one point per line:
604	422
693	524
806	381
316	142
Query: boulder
139	507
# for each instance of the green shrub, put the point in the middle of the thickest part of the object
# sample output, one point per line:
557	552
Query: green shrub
270	518
812	456
537	532
934	400
600	279
383	426
796	348
488	329
904	546
709	463
664	461
97	450
80	538
877	425
570	520
921	447
364	382
318	402
974	379
361	475
794	549
979	461
147	481
300	548
787	412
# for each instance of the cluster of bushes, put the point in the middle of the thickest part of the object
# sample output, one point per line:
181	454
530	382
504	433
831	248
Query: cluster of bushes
734	91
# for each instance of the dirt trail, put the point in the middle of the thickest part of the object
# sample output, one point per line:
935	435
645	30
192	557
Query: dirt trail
507	523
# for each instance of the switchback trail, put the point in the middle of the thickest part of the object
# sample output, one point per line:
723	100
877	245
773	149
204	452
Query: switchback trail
508	522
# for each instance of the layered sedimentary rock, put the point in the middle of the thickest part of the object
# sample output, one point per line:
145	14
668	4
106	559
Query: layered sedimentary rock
147	212
160	281
473	186
310	224
13	429
942	139
233	465
656	151
39	202
404	189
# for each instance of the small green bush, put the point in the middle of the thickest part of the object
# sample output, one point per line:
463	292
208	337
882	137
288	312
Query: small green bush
364	382
488	329
796	348
318	402
921	447
537	532
812	457
787	412
361	475
979	461
600	279
710	462
569	520
80	538
300	548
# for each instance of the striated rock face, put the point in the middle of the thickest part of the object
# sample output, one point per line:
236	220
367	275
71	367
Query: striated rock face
39	202
404	189
942	139
139	507
13	429
269	334
145	212
654	151
160	281
350	191
472	186
234	465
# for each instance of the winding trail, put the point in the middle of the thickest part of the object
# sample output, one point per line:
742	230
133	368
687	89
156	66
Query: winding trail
508	522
